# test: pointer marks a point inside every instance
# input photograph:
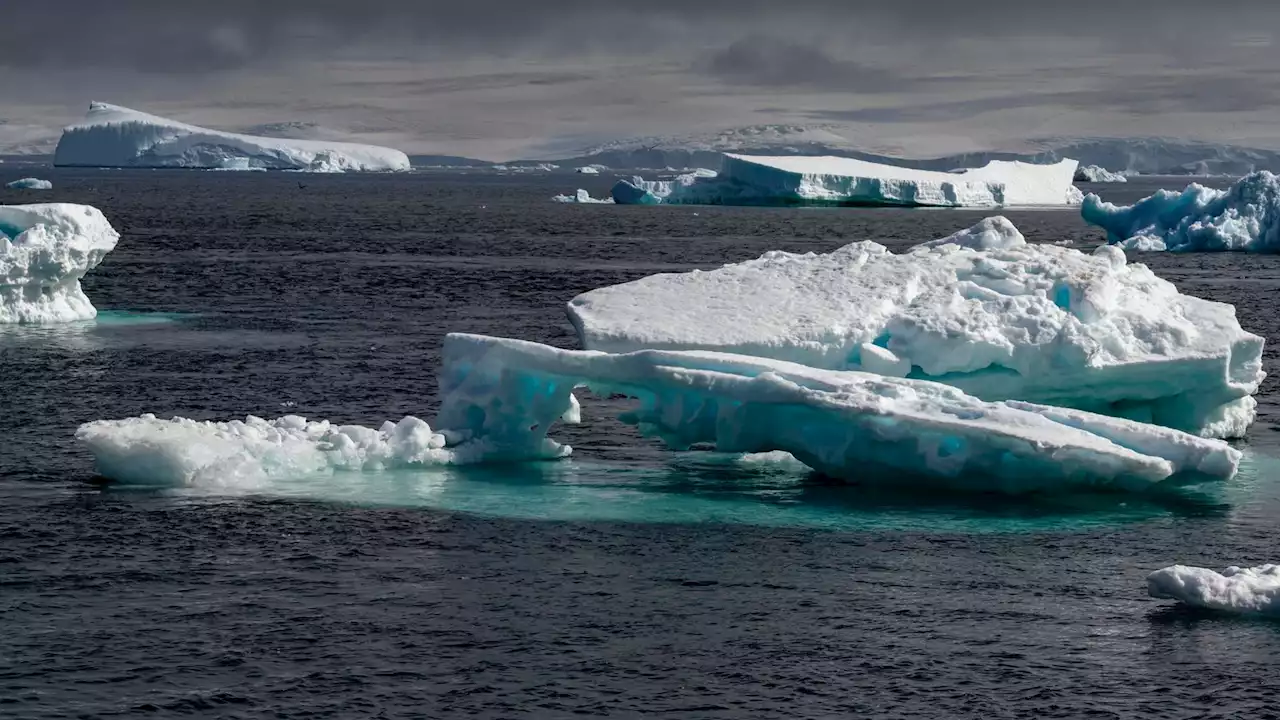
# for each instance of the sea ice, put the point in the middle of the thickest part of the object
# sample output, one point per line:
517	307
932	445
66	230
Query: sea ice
982	310
582	196
1253	590
1093	173
759	180
113	136
638	191
30	183
500	397
590	169
1199	219
44	251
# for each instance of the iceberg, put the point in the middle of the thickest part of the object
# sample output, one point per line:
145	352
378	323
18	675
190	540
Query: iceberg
982	310
800	180
582	196
500	397
180	452
1095	174
638	191
590	169
113	136
30	183
1252	590
1244	217
44	251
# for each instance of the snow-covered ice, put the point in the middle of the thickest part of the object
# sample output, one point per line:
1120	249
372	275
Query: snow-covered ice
500	398
30	183
1245	217
590	169
183	452
113	136
1093	173
638	191
985	312
582	196
758	180
1252	590
44	251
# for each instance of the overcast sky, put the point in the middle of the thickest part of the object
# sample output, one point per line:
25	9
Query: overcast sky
501	80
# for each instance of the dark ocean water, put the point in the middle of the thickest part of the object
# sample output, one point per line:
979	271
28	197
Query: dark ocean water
628	581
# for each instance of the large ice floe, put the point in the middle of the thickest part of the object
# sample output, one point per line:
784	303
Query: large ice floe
801	180
583	197
1251	590
982	310
113	136
29	183
1245	217
501	397
44	251
1093	173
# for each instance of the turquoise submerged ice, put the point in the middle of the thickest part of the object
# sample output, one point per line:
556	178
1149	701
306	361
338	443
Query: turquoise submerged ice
1198	219
501	398
982	310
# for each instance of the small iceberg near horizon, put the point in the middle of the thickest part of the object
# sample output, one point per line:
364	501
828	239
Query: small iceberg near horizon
29	183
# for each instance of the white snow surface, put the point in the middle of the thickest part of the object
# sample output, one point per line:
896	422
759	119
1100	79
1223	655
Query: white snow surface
500	397
114	136
754	180
582	196
983	311
30	183
1244	217
1093	173
1250	590
44	251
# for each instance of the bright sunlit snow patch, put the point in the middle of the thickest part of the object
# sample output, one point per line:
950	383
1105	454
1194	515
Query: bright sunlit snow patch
113	136
759	180
29	183
982	310
1199	219
44	251
1253	590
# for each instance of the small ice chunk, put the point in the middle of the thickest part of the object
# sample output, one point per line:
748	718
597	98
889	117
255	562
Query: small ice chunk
1250	590
29	183
44	251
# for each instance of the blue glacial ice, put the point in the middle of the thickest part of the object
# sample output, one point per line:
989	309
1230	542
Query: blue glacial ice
29	183
1248	591
44	251
801	180
1244	217
982	310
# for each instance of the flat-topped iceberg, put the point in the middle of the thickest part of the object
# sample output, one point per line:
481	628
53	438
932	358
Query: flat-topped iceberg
582	197
44	251
1251	590
983	311
1245	217
801	180
500	398
29	183
1095	174
113	136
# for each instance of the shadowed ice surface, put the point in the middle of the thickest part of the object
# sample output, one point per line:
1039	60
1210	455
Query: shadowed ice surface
628	581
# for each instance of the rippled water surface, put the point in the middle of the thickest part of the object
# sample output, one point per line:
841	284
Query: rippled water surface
627	581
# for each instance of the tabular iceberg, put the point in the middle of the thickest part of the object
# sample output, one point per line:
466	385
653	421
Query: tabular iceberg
1253	590
982	310
113	136
800	180
29	184
44	251
1093	173
1199	219
500	397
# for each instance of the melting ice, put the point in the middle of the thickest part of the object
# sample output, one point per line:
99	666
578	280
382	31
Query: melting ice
44	251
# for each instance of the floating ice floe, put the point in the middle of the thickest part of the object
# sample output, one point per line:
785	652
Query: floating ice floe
1093	173
638	191
1253	590
44	251
590	169
1199	219
800	180
29	183
500	398
582	196
982	310
113	136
